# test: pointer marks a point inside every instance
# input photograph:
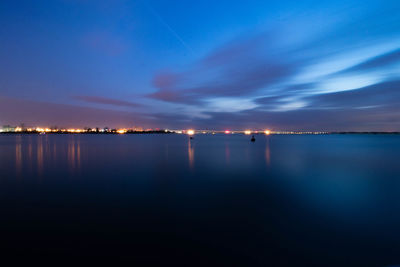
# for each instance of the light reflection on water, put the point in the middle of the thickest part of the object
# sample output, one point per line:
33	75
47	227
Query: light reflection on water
18	156
296	197
40	156
35	155
74	155
267	153
227	154
191	154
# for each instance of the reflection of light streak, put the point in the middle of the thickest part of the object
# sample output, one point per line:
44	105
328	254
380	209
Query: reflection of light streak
74	155
191	154
54	151
30	154
39	155
30	150
18	158
268	154
227	153
71	156
78	155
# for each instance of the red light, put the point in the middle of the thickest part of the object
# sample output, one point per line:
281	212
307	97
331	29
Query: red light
227	132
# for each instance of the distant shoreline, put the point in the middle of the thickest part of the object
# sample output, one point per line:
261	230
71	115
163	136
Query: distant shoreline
210	133
85	133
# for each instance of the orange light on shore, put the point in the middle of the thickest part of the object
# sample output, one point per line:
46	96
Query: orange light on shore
75	130
227	132
247	132
190	132
267	132
121	131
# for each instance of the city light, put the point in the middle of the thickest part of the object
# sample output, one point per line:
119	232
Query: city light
106	130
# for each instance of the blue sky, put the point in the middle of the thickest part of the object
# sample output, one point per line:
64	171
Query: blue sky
283	65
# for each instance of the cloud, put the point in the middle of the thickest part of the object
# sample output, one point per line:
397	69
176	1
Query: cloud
172	96
381	61
165	80
381	94
239	68
378	119
106	101
371	108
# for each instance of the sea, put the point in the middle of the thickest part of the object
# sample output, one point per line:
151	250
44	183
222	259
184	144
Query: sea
214	200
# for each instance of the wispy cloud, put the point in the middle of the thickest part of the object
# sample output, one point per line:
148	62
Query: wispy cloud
383	94
106	101
380	61
239	68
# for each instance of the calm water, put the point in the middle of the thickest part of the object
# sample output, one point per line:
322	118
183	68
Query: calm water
216	200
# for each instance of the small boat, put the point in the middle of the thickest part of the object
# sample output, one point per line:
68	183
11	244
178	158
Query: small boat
253	139
191	138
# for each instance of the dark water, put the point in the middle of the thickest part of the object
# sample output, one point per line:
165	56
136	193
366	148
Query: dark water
329	200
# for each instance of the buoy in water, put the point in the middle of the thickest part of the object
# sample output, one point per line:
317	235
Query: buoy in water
252	139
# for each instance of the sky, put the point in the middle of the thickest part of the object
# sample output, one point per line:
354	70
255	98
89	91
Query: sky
177	64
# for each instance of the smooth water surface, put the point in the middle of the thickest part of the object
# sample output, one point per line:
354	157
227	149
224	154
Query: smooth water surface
295	200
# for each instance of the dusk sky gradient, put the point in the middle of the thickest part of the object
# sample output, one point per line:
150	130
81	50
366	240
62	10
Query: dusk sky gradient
281	65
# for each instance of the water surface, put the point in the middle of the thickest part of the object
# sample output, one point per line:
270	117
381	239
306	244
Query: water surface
299	200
